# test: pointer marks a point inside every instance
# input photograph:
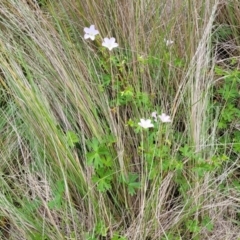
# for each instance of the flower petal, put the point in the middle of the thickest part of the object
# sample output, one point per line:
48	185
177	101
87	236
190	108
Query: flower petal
90	32
109	43
145	123
165	118
86	36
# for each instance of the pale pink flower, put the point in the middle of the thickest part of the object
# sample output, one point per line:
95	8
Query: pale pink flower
145	123
109	43
154	115
168	42
165	118
90	32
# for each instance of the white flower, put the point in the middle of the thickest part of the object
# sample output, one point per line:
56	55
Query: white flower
109	43
90	32
145	123
168	42
154	115
165	118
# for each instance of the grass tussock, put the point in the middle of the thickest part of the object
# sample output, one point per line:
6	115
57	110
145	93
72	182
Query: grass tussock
76	164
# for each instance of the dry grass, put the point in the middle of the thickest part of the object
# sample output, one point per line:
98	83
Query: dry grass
51	80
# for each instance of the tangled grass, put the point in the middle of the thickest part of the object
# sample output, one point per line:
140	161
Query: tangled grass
75	164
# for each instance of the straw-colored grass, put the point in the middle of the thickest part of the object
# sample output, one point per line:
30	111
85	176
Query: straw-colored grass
69	120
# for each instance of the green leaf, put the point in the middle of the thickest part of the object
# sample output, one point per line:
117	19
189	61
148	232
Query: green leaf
107	161
56	202
206	222
103	184
72	138
101	229
132	188
94	144
186	151
94	159
131	183
31	206
118	237
193	226
106	79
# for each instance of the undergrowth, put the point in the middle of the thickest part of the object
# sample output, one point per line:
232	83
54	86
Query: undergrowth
135	137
